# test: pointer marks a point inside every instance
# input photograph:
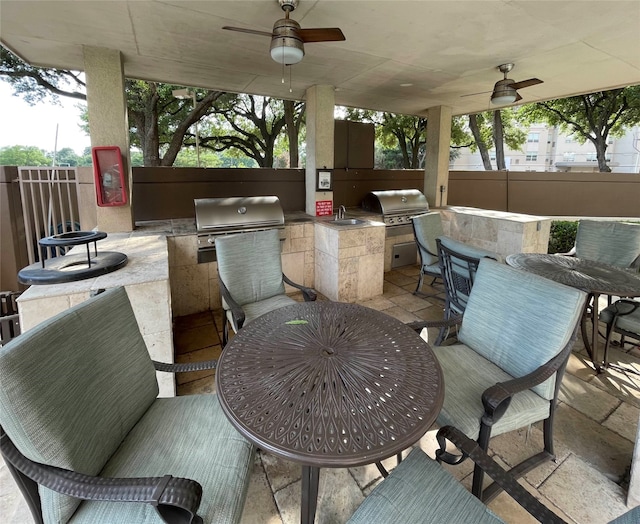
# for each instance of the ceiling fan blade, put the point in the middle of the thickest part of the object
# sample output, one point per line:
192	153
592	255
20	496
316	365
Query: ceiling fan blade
518	97
250	31
321	34
527	83
474	94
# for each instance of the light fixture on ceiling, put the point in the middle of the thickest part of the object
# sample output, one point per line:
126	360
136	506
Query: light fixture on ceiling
503	92
288	38
286	47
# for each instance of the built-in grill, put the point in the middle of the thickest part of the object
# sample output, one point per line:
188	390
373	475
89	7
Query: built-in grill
396	206
224	216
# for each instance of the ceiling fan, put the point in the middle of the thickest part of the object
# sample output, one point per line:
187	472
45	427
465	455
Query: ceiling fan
506	90
288	38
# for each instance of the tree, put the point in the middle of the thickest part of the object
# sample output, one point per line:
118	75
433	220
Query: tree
591	117
23	156
492	129
249	124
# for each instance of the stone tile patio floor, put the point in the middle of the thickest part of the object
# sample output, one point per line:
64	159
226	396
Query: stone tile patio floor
596	424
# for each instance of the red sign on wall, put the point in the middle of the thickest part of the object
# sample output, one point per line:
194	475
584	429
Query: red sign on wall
324	208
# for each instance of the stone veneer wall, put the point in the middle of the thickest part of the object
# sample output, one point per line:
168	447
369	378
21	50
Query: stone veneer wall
498	231
349	263
194	287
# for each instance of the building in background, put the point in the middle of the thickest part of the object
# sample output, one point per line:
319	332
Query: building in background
546	149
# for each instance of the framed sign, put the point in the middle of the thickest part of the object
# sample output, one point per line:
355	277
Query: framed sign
324	180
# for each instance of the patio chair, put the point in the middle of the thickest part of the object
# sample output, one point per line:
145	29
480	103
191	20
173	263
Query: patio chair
251	278
426	228
515	337
622	317
9	318
458	265
87	441
420	491
613	243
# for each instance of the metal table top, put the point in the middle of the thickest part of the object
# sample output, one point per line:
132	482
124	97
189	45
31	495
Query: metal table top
330	384
587	275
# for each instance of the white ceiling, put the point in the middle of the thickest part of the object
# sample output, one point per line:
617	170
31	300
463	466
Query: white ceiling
444	49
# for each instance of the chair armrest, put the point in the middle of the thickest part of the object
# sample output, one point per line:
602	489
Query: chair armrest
418	325
496	399
176	499
633	305
570	253
185	367
234	307
308	293
472	450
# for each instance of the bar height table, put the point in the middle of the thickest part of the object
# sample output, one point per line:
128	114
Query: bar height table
593	277
329	384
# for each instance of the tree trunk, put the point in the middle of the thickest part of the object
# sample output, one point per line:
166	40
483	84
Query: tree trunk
482	147
292	133
498	140
601	154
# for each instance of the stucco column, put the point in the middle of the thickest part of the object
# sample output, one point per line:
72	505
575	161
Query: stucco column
108	125
320	102
436	169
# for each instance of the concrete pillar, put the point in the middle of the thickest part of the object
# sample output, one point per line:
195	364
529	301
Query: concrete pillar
436	169
108	125
320	102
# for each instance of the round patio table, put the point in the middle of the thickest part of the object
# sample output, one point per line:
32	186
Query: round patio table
329	384
593	277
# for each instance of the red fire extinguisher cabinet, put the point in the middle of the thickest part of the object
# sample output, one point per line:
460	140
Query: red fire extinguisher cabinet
109	176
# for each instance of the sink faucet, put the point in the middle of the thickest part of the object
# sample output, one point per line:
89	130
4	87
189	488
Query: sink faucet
341	212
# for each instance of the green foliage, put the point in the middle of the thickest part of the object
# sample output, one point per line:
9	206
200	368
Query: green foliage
23	156
562	236
591	117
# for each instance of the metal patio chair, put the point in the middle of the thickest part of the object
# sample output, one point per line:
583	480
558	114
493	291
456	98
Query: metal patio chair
622	317
420	491
613	243
458	265
426	228
87	440
251	278
515	337
9	318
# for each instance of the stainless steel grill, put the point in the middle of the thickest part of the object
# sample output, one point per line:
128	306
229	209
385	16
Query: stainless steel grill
396	206
224	216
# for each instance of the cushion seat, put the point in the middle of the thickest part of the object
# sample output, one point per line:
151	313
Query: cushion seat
253	310
630	322
187	437
420	491
473	374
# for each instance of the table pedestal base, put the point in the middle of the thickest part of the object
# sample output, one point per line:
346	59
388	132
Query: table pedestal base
310	478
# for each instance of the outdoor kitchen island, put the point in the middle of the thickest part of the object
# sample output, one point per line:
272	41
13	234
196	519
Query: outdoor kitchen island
146	279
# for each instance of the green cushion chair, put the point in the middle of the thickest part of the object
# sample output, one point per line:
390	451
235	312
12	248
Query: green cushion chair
87	439
613	243
421	491
426	228
251	277
622	317
515	338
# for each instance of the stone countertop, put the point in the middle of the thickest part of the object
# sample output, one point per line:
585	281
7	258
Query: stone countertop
489	213
148	261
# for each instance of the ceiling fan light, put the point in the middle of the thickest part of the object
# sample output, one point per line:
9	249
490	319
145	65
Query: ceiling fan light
503	99
286	50
503	93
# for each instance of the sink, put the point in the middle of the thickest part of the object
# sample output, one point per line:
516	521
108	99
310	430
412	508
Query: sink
347	222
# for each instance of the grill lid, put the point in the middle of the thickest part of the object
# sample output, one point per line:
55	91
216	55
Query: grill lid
395	202
237	213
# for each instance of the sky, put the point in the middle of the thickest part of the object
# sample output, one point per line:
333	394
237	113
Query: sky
25	125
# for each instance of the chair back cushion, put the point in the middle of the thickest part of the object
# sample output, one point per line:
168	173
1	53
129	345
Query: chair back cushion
519	320
250	265
426	228
73	387
614	243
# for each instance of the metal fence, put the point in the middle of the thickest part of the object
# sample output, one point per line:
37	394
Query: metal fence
49	205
